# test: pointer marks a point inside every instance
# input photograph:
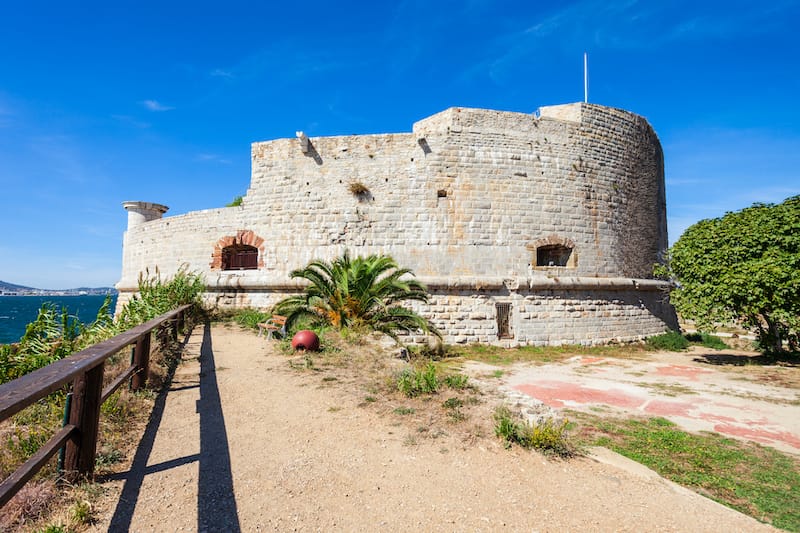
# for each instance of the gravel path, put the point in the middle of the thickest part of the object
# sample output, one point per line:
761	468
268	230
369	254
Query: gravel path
244	443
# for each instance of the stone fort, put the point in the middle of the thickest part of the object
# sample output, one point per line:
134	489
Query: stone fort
528	229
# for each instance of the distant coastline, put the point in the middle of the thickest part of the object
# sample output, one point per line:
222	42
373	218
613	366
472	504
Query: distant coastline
10	289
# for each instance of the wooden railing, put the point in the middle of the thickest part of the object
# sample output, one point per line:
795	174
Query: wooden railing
85	370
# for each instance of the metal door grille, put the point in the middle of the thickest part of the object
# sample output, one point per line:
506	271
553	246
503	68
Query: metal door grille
503	320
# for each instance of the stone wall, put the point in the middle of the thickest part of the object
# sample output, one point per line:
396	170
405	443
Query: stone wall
469	195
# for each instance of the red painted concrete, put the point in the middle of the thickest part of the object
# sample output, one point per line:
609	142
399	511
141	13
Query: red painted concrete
668	408
763	436
556	393
704	399
681	371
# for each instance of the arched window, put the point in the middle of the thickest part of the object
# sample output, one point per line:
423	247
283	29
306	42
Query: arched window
239	257
553	251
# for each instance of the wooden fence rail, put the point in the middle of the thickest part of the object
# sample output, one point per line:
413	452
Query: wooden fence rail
85	371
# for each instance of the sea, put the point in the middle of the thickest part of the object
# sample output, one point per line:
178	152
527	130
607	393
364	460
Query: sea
16	312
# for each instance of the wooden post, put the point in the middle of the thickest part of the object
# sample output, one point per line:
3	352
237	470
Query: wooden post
85	416
141	359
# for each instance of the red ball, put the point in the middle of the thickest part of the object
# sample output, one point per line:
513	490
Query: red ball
305	340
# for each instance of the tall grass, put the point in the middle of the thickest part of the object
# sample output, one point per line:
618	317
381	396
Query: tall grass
56	334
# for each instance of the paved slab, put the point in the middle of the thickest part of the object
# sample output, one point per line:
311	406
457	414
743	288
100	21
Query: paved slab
694	395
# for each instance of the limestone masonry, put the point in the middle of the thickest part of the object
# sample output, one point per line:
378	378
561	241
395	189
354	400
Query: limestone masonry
527	228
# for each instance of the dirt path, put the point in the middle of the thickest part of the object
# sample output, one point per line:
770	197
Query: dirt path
244	443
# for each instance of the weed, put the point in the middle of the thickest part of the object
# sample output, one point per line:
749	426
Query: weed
456	415
334	409
456	381
404	411
250	318
668	389
107	458
497	374
53	528
547	437
413	382
453	403
410	440
370	399
81	512
358	189
671	341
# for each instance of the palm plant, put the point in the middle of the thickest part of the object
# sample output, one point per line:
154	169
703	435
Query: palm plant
358	292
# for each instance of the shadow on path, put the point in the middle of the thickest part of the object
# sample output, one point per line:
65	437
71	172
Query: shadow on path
216	503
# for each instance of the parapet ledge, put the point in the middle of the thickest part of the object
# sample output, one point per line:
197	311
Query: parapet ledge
261	281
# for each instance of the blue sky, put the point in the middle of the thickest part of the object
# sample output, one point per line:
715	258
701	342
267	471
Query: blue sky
103	102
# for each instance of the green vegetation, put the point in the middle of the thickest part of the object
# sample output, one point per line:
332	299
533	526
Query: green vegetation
250	318
753	479
53	336
357	293
497	355
674	341
415	380
671	341
745	268
237	201
157	296
547	437
707	340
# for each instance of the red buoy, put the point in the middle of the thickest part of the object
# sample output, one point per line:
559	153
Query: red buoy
305	340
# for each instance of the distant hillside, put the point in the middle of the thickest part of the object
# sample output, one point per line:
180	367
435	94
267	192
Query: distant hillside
6	287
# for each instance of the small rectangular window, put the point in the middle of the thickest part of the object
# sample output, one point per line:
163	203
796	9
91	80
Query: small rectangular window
503	320
554	255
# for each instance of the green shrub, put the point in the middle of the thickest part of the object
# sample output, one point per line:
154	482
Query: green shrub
671	341
547	437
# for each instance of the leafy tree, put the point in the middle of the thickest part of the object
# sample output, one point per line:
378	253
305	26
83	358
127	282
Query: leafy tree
744	266
358	292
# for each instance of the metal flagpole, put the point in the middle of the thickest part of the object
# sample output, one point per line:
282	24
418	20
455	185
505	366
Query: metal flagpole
585	78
